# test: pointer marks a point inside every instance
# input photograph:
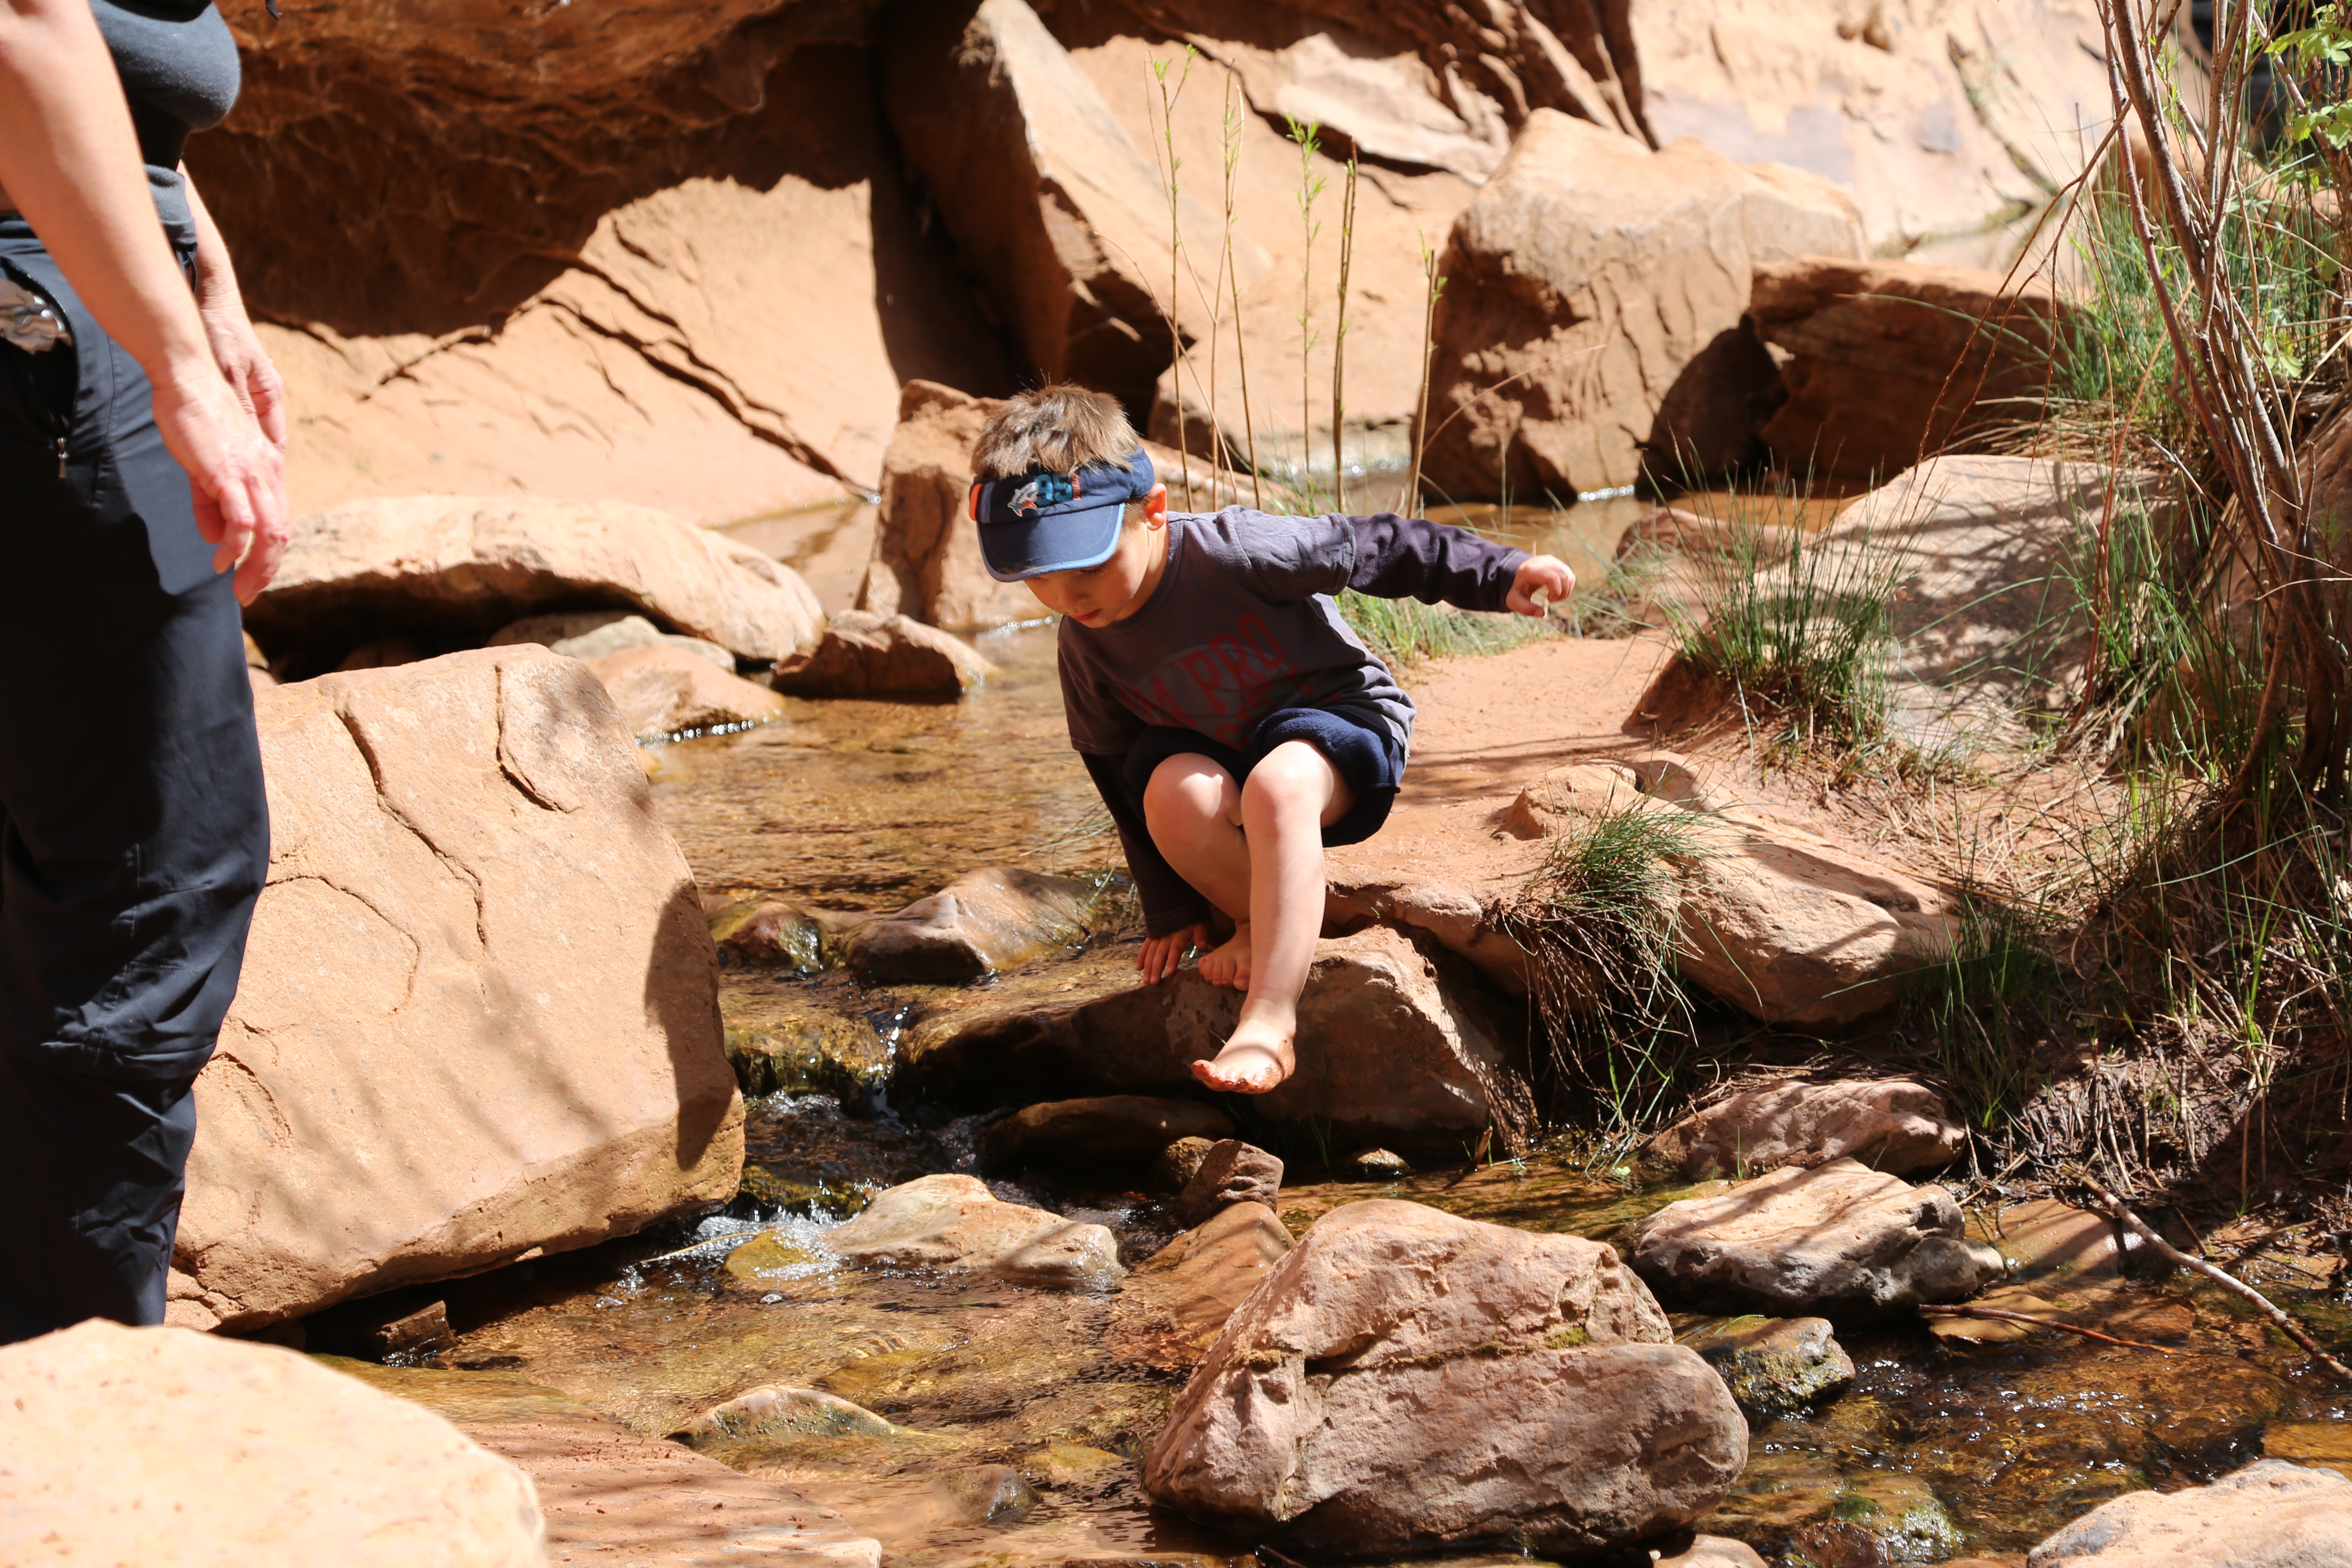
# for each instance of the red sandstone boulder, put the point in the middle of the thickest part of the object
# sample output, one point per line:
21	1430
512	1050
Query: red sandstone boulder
1404	1380
479	1015
162	1445
2270	1514
890	657
1890	1125
1892	361
462	568
1591	321
663	689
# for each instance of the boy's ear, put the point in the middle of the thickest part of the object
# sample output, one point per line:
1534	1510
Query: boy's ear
1155	507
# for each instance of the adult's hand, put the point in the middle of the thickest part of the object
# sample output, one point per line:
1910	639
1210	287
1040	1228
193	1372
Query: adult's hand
237	472
245	364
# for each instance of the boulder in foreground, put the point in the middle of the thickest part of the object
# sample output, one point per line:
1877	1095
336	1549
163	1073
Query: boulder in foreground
2270	1514
162	1446
479	1014
460	568
888	658
955	1224
1890	1125
1404	1380
1841	1240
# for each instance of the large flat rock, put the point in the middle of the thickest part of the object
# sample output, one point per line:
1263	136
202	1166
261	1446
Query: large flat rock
479	1018
2272	1514
162	1445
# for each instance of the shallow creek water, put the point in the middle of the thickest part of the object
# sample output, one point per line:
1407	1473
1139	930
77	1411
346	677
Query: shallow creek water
1942	1448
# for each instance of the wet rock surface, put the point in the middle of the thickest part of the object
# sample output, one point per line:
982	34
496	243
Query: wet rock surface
1539	1368
997	917
954	1224
1178	1299
1775	1366
1110	1131
890	658
462	568
1890	1125
137	1445
1839	1239
2270	1514
425	1072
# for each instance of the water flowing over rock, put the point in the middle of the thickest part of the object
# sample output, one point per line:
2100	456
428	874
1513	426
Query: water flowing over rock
1178	1299
1593	310
662	690
162	1446
1231	1173
997	917
1390	1048
1841	1240
1118	1129
1890	1125
1404	1380
1892	361
461	568
955	1224
479	1018
882	657
2272	1514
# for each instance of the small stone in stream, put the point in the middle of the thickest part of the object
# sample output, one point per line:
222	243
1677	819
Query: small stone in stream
770	1256
1893	1125
421	1333
955	1224
1841	1240
1112	1130
1774	1367
988	1494
2044	1238
1174	1166
1879	1519
773	1410
590	635
1707	1551
994	919
662	690
1232	1172
1073	1465
772	933
783	1048
1405	1380
162	1445
2270	1514
1376	1165
886	658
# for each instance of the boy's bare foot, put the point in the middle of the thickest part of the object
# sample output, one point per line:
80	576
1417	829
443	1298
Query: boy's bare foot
1230	964
1257	1058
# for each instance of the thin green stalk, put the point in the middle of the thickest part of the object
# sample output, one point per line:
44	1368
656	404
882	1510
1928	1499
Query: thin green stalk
1310	189
1340	345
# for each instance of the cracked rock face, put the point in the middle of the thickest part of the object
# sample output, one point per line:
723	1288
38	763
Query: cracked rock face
162	1445
1842	1241
1592	284
478	1017
1404	1379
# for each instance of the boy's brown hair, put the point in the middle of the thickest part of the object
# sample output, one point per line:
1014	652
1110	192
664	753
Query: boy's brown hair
1058	428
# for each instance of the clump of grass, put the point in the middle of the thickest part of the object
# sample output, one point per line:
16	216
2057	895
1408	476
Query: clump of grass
1601	921
1406	631
1799	629
1980	1009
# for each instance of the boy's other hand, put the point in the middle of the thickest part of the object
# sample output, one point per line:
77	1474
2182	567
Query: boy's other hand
1163	955
1540	573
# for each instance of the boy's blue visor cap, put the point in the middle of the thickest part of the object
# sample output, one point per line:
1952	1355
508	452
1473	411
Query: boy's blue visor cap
1041	521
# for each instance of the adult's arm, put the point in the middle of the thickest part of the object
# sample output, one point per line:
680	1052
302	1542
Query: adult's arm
70	163
236	347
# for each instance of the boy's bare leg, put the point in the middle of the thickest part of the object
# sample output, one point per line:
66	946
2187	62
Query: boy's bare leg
1291	795
1193	810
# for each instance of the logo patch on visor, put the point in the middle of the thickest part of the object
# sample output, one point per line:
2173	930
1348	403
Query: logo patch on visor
1045	490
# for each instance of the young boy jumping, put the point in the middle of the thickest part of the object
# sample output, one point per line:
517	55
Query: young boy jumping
1234	723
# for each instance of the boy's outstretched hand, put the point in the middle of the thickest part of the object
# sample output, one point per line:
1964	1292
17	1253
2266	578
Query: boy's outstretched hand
1547	575
1161	955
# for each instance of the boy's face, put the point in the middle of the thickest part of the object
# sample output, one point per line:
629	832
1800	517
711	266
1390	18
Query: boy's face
1101	595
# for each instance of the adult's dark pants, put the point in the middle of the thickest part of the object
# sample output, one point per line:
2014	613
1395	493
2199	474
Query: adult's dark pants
134	835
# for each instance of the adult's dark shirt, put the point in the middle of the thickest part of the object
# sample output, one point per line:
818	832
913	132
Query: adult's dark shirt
178	63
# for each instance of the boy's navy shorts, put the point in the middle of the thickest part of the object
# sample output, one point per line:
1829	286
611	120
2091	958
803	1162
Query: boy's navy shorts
1365	755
